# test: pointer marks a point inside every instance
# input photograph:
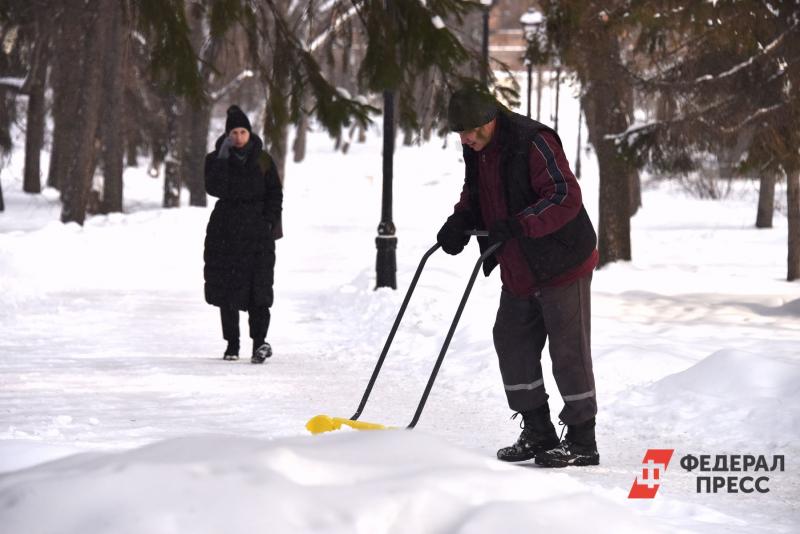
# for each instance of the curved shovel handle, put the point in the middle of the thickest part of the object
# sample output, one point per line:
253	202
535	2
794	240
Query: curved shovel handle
401	312
489	251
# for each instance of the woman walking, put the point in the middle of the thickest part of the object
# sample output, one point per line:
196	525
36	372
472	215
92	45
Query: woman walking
240	238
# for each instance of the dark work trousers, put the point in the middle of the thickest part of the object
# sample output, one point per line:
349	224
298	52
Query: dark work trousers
258	317
562	315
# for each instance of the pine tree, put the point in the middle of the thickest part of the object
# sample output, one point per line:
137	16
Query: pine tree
731	72
80	156
397	51
35	24
587	38
766	200
112	127
15	22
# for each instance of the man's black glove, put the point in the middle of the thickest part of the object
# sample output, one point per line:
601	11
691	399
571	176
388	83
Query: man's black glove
504	229
452	237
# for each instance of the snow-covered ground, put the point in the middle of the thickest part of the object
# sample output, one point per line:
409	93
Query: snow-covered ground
117	413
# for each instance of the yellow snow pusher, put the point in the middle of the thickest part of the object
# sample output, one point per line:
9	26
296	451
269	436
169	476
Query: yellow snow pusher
326	423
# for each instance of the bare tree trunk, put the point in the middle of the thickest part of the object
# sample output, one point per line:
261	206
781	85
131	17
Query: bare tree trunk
183	133
195	154
408	137
602	104
276	138
633	172
172	161
6	117
793	209
80	161
157	130
7	98
614	228
131	146
133	104
67	84
635	191
5	137
113	130
300	139
766	200
276	120
194	136
34	127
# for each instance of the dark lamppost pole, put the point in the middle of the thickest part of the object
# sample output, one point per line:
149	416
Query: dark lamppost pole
386	242
529	66
487	7
532	27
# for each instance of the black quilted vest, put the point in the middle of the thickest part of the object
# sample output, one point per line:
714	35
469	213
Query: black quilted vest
548	256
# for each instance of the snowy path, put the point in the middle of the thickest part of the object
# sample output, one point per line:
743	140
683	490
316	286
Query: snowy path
696	344
124	369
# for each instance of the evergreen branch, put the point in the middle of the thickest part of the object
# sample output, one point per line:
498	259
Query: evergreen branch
172	57
341	19
696	115
759	113
677	82
231	85
736	68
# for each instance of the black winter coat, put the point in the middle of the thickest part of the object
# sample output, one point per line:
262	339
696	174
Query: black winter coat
240	238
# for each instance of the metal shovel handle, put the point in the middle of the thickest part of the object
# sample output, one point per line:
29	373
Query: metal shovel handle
401	312
393	331
489	251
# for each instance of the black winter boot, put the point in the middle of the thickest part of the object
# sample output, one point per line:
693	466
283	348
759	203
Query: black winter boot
577	448
538	435
232	352
261	351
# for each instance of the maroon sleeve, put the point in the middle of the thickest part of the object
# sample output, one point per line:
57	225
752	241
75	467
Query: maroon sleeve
555	185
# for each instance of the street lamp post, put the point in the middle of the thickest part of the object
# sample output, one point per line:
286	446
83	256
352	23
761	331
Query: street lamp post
532	23
529	66
386	241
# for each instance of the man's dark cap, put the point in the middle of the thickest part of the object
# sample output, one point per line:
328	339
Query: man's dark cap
470	109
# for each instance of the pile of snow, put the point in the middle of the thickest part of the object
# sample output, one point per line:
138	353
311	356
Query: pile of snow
749	386
370	482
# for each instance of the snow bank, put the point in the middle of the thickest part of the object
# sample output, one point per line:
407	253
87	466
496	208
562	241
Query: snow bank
736	399
730	387
370	482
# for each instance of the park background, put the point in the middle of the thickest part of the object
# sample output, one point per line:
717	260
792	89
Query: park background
117	413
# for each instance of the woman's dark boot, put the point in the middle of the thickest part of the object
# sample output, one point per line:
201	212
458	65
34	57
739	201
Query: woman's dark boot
261	351
538	435
232	352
